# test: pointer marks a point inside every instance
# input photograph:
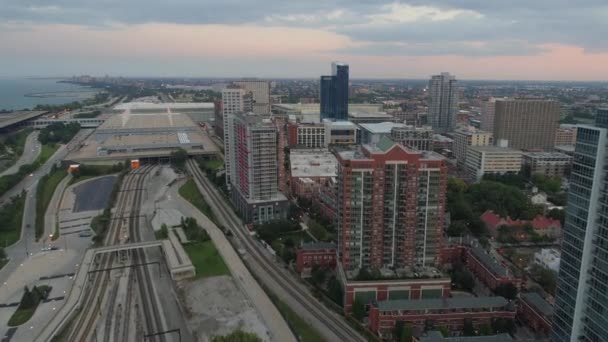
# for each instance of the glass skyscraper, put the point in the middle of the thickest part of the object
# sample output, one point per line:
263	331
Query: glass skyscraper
581	303
334	93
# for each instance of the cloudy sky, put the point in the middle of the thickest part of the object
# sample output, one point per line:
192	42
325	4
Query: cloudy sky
474	39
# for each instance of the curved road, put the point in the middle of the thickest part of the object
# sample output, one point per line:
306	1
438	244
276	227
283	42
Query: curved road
31	150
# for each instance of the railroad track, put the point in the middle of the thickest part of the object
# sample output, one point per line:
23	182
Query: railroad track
99	281
153	322
301	295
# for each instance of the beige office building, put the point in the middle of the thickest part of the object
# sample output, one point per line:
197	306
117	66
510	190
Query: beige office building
261	94
565	136
466	137
526	124
483	160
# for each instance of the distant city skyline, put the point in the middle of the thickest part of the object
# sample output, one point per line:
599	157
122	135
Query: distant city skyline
517	40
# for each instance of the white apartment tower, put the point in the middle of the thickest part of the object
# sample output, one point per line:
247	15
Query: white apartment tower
443	102
234	100
260	90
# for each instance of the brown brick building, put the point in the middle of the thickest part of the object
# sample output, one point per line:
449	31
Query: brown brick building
526	124
390	207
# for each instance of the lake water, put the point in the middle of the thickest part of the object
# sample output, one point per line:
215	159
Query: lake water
27	93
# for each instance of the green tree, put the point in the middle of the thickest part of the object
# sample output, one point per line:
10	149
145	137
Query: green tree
237	336
358	310
178	158
163	233
503	326
485	330
444	330
468	329
318	274
457	228
407	334
557	214
507	290
334	290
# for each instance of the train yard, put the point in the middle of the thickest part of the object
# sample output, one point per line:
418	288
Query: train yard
120	300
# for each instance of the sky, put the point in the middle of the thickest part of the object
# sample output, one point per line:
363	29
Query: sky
473	39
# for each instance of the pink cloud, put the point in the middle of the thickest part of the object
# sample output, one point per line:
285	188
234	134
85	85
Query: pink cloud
300	50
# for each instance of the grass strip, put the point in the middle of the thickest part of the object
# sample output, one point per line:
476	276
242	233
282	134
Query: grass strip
11	216
206	259
46	189
190	192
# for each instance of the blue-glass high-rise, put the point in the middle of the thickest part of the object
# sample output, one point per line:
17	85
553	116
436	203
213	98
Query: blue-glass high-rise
581	299
334	93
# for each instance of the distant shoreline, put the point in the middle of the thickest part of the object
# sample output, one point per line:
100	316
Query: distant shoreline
72	93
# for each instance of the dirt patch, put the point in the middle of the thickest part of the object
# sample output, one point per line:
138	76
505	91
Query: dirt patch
216	306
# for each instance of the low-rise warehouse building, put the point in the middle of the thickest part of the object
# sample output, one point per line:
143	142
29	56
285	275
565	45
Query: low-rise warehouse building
535	312
481	160
446	312
436	336
144	135
553	164
310	169
487	269
197	111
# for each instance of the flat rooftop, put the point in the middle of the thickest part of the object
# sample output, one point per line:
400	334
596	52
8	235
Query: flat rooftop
315	163
339	124
9	119
146	121
151	140
488	261
163	107
316	107
381	127
443	303
436	336
360	114
539	303
546	155
442	138
494	149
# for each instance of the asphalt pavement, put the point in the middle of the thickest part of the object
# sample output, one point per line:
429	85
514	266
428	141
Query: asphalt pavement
94	194
31	150
63	151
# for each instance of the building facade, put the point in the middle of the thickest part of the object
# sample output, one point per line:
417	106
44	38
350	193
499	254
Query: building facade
526	124
469	137
371	133
483	160
234	100
582	288
535	312
310	170
315	254
553	164
260	94
417	138
254	189
447	312
334	93
443	102
565	136
488	109
391	207
308	135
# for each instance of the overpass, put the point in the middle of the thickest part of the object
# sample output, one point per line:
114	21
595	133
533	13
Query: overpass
84	123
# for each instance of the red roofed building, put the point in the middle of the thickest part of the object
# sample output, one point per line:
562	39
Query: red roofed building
542	225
